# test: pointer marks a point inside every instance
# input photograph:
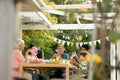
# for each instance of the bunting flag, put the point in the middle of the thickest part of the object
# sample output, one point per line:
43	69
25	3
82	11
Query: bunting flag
68	43
78	44
55	39
63	42
99	41
59	41
94	42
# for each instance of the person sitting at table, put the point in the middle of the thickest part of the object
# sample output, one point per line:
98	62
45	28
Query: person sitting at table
18	57
59	52
82	65
31	54
85	48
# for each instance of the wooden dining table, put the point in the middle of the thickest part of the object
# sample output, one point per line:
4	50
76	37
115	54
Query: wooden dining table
45	66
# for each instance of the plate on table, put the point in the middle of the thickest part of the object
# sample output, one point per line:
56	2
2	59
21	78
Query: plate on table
45	61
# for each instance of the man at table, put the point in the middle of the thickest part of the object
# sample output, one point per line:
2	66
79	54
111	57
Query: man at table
59	52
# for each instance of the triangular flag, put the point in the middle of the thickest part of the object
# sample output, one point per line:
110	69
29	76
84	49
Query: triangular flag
63	42
55	39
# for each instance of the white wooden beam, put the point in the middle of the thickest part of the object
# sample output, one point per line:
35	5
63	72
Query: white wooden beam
41	13
57	26
68	6
57	12
72	26
60	26
35	27
33	16
44	18
88	16
37	4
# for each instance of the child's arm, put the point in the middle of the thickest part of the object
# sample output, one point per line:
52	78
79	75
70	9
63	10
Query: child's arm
77	58
75	63
26	55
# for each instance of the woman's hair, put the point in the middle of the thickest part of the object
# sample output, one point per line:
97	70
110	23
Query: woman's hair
31	46
18	42
86	46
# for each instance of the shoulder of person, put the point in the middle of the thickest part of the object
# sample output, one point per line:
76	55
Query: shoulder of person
65	56
16	51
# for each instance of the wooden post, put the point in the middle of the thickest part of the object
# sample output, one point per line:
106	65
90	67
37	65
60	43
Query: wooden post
7	32
118	46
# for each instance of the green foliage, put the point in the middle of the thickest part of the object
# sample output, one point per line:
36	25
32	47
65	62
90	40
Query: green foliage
72	17
105	6
97	45
61	19
117	6
57	1
52	18
72	35
74	47
114	36
67	48
42	39
46	1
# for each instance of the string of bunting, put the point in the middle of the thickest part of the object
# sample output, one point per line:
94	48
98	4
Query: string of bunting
78	43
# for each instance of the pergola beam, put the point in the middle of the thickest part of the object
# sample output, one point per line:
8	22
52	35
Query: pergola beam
87	16
59	26
68	6
72	26
44	18
41	13
34	27
57	12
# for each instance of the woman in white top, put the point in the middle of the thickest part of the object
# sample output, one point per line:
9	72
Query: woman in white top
31	54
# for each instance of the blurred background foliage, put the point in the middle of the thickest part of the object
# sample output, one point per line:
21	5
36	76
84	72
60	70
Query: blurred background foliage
42	39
